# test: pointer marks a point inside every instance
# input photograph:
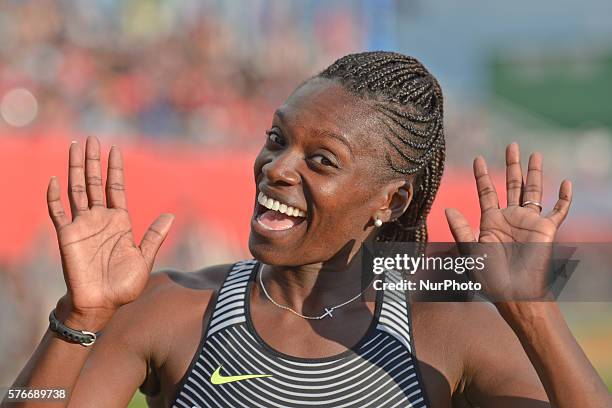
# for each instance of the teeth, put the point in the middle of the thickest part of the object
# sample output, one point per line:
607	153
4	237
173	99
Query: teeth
261	199
276	205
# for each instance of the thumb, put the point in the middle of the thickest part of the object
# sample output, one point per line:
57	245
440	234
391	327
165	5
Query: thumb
459	226
154	237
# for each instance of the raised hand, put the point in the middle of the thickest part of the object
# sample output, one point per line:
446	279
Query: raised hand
520	222
102	265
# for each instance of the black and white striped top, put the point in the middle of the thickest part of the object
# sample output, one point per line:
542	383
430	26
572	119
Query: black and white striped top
379	371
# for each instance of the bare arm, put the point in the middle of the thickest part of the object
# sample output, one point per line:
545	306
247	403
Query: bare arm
543	366
103	268
58	364
55	364
564	370
542	340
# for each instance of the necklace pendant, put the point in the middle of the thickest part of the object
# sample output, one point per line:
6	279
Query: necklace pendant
328	312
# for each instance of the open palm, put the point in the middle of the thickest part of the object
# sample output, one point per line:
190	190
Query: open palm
103	267
520	222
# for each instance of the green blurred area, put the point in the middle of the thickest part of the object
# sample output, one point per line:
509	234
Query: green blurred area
590	323
138	401
572	90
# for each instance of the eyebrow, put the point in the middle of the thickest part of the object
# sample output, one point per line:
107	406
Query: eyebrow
340	138
320	132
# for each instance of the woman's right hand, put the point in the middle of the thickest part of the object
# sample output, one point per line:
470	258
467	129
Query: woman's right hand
103	267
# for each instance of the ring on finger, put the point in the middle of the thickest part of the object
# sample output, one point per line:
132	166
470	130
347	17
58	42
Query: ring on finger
526	203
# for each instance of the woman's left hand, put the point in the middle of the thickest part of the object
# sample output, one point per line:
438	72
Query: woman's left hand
520	222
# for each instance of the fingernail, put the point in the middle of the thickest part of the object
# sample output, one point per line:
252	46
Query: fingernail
74	141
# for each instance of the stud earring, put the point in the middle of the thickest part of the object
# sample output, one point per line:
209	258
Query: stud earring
378	222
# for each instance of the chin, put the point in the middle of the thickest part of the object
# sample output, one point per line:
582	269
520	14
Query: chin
271	253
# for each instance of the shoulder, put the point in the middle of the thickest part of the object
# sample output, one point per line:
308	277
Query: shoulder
444	335
160	329
170	299
469	342
173	286
169	281
478	325
464	326
458	315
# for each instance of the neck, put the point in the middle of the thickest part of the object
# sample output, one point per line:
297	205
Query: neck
309	289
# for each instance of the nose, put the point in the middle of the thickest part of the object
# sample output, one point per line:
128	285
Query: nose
281	171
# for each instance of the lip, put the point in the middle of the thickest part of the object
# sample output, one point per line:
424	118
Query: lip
275	234
283	199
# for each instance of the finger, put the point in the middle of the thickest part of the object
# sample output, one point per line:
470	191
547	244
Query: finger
154	237
561	208
93	174
533	182
77	194
115	185
459	226
514	175
487	195
54	203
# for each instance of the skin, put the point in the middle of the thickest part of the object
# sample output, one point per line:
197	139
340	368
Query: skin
509	354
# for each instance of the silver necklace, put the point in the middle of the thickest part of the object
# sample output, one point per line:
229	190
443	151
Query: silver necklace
328	310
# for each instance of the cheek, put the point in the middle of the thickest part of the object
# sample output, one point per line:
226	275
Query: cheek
344	207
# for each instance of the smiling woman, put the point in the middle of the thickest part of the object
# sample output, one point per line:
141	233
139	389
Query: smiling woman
354	155
380	110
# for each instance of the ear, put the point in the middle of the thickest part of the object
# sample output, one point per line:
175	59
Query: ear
398	197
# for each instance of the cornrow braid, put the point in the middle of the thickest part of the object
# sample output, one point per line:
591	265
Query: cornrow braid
409	102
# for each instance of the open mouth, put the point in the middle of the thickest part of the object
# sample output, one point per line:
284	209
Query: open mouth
274	215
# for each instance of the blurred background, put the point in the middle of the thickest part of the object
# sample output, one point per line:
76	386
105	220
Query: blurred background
187	89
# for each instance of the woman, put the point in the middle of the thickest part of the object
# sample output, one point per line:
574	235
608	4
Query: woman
354	155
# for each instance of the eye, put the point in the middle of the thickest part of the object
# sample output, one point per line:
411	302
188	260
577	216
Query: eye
275	138
319	158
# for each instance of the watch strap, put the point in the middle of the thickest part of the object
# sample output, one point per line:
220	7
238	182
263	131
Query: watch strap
82	337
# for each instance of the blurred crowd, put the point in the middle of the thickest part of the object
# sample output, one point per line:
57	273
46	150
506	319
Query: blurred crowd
160	69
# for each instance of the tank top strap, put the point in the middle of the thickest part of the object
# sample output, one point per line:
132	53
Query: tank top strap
394	313
230	305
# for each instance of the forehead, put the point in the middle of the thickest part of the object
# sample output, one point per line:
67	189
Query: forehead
325	105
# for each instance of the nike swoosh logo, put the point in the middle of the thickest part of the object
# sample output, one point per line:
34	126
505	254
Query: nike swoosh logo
217	378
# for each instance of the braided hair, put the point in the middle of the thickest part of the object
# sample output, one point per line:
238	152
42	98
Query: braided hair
408	100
